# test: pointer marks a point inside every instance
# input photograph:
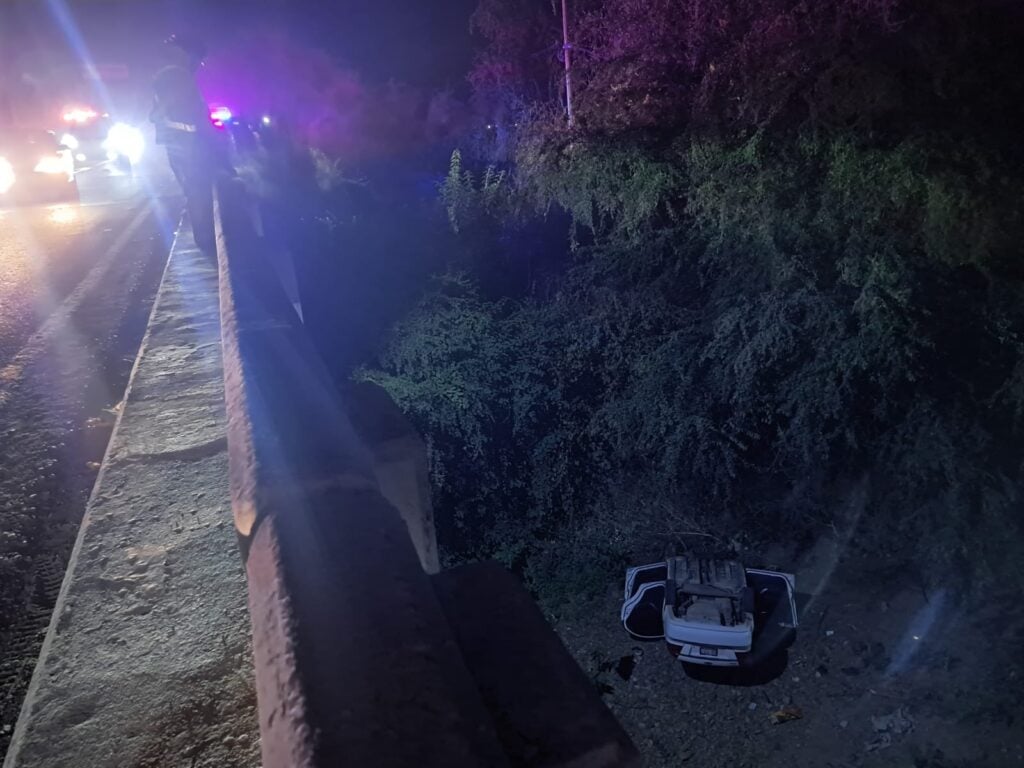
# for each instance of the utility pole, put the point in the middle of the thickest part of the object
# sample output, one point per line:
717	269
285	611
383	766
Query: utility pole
567	56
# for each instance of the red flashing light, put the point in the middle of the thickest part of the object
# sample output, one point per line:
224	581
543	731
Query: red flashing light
219	116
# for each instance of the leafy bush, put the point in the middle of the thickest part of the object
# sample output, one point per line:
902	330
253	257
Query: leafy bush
762	309
467	202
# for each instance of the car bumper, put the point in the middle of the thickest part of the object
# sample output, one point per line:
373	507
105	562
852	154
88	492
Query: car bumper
711	657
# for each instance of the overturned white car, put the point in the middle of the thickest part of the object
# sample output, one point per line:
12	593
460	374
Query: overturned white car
711	611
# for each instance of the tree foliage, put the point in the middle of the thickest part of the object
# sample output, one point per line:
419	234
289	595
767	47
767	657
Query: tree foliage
796	237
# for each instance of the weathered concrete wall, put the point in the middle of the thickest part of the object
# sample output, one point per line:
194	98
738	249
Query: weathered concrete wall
360	657
354	661
399	463
147	660
546	711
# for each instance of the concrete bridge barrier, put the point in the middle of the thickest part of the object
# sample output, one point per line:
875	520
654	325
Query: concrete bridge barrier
361	652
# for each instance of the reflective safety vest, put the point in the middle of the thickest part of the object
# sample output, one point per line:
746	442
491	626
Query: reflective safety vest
179	107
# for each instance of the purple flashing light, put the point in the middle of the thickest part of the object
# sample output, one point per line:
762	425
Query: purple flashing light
219	116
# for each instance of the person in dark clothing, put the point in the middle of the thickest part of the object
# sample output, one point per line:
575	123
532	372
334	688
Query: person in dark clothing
181	118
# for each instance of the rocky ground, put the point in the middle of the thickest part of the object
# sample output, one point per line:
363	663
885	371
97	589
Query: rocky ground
58	400
882	673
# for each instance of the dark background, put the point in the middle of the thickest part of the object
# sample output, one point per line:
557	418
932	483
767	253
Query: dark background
424	43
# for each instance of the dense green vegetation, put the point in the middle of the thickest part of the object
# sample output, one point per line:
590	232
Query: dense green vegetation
786	263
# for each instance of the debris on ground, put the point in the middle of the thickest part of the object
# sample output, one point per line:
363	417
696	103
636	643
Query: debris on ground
786	714
624	665
888	726
897	723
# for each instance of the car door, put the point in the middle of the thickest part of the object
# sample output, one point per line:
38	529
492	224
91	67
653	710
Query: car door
775	616
643	601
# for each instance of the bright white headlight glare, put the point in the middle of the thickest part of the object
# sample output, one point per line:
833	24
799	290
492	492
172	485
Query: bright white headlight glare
51	164
7	177
69	141
125	141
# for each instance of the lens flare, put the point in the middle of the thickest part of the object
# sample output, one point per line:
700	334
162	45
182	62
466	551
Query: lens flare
52	164
63	214
80	115
125	141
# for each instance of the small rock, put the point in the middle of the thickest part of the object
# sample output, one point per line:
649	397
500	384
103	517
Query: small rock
843	723
752	706
829	632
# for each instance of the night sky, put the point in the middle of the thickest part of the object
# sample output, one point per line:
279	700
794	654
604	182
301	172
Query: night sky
417	41
421	42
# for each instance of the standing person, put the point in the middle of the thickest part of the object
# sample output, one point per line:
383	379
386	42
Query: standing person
182	125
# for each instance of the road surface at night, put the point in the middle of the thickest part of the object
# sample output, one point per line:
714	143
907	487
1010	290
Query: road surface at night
76	288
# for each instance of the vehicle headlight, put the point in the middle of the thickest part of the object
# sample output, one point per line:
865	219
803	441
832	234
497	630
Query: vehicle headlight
51	164
125	141
69	141
7	177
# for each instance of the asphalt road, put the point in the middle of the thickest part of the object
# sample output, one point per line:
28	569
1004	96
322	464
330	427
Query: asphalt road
76	287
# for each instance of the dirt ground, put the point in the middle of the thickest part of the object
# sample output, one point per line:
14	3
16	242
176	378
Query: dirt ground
882	673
